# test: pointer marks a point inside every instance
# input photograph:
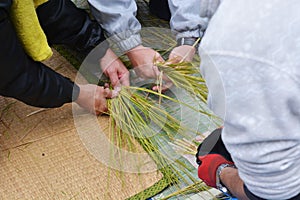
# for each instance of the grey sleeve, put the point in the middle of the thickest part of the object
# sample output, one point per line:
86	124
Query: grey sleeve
117	17
190	18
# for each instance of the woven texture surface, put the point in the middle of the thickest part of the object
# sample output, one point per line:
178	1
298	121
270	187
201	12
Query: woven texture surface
42	156
158	38
147	20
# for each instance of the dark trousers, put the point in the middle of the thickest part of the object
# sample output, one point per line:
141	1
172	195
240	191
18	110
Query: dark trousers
251	196
63	23
160	8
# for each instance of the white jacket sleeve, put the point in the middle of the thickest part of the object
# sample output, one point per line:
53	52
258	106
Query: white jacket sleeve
190	18
117	18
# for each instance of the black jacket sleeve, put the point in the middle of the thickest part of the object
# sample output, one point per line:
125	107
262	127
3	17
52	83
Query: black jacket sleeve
24	79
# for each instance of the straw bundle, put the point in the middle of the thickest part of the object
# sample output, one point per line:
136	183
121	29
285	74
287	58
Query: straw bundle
147	116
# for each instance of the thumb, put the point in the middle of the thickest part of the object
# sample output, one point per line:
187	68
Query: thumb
124	79
108	93
174	58
158	57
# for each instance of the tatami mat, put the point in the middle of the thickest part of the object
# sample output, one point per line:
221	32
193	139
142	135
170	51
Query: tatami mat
42	156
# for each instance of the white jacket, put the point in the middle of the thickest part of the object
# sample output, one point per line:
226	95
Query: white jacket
254	45
117	17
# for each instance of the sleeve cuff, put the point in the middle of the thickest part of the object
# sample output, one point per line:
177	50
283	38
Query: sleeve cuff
130	42
190	34
76	91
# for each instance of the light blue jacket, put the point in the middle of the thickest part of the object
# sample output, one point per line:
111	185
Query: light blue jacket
117	17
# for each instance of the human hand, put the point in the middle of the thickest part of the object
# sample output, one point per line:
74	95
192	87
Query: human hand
211	154
182	53
93	98
143	60
113	68
208	165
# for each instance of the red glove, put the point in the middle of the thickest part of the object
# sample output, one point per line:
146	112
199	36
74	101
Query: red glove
211	154
208	166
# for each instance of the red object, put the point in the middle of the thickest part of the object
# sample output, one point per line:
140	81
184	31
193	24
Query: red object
208	168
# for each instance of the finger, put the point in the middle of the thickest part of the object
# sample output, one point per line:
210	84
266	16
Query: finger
107	93
96	113
155	70
174	58
124	79
114	94
158	57
98	94
96	110
114	79
167	82
167	86
104	70
166	78
102	110
164	87
155	88
106	85
100	100
101	107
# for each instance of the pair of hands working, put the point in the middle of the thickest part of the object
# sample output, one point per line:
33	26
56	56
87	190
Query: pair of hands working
142	59
93	97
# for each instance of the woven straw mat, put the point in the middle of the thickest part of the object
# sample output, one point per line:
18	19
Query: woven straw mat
42	156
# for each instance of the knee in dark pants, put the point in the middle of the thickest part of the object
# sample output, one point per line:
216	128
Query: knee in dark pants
64	23
4	9
160	8
3	15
